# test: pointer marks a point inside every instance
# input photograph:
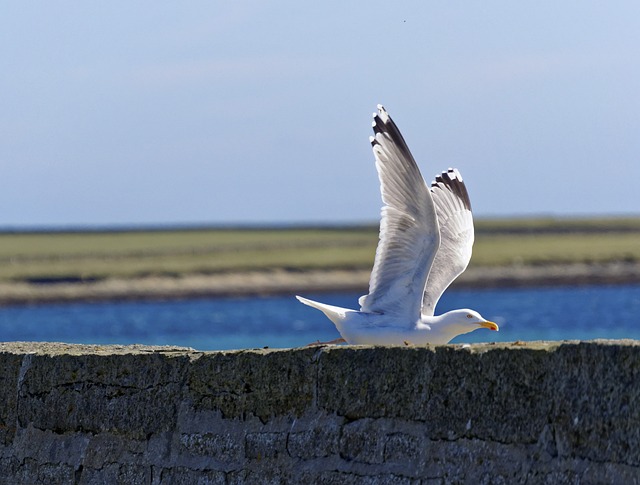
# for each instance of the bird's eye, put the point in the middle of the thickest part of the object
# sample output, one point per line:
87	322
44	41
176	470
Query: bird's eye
469	315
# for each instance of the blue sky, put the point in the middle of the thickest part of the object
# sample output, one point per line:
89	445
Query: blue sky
259	112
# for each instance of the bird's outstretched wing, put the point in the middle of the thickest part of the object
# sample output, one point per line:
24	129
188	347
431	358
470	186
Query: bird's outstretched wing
453	209
409	235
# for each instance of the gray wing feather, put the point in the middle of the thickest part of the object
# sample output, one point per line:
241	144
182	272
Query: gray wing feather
453	209
409	235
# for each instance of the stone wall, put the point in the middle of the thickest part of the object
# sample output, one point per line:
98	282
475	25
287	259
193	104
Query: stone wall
502	413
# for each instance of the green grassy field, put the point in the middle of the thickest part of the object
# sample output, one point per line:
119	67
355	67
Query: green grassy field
97	255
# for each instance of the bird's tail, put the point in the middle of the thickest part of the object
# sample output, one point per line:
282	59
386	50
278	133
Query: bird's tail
334	313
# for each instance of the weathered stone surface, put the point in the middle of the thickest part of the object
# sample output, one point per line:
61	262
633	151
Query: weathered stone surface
10	380
115	473
504	413
315	442
185	476
136	393
220	446
478	387
261	383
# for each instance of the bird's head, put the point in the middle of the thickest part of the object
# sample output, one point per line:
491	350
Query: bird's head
465	321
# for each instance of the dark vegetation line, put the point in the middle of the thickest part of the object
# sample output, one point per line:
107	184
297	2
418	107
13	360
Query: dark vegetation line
128	229
524	225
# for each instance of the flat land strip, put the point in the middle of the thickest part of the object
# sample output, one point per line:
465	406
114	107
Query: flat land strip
62	266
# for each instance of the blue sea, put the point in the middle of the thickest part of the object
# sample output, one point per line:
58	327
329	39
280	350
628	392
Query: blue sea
555	313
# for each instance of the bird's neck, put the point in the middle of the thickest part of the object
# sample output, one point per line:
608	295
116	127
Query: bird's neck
442	328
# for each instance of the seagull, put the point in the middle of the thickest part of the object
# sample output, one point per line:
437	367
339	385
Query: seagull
426	237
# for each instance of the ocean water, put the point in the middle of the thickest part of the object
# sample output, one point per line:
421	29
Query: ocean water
557	313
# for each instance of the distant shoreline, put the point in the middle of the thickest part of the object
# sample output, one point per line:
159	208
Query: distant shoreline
538	223
282	282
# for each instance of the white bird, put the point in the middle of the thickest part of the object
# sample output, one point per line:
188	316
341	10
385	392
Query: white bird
426	236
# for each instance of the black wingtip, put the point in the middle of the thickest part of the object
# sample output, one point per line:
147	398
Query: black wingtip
380	120
383	124
452	181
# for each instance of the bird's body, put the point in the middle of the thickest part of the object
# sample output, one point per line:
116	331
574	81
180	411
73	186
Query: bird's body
363	328
426	236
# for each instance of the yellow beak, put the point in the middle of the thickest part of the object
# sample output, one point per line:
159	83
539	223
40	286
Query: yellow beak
490	326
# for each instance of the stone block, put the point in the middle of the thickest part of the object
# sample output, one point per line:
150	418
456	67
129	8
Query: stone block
116	473
265	445
10	380
128	393
262	383
185	476
319	442
105	448
221	447
363	442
